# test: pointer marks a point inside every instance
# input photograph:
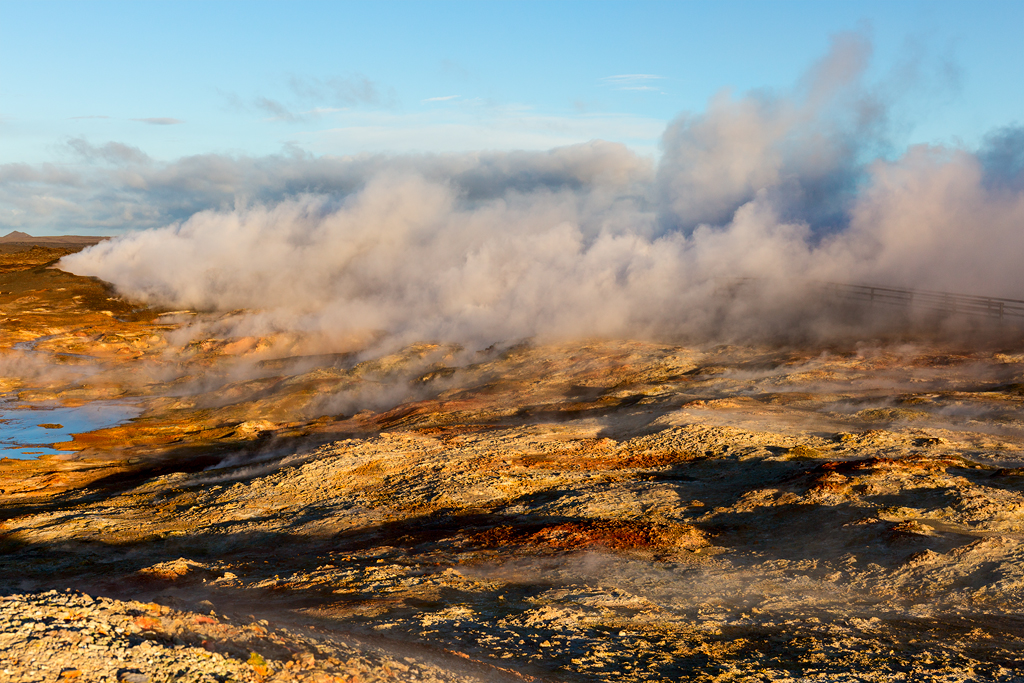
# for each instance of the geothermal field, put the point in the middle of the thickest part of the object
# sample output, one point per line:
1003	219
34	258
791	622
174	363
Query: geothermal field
201	495
617	395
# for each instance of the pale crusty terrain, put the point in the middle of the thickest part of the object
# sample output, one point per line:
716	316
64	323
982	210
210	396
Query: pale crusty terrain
587	511
72	636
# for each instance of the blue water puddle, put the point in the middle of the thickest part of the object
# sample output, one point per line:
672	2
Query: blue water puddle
26	433
31	344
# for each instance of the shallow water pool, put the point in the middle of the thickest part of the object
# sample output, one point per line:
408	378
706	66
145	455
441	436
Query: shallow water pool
28	432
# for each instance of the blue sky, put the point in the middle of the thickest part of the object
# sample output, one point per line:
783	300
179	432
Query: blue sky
256	78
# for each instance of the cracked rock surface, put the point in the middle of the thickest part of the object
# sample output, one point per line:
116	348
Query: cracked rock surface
608	510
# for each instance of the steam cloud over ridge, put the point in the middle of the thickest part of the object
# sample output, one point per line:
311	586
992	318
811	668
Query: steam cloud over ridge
589	239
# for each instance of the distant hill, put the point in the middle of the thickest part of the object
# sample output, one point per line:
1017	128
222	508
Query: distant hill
23	238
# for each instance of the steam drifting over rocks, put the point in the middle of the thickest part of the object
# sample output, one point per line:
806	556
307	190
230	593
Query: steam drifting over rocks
343	427
589	239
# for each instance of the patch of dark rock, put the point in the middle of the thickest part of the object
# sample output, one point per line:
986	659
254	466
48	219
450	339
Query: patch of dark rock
707	371
785	398
302	363
618	535
672	475
1014	388
1009	472
577	410
435	374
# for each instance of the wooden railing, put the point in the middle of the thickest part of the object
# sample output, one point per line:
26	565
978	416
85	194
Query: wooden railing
943	302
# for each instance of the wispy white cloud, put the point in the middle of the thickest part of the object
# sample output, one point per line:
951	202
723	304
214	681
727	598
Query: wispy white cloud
73	118
160	121
113	186
111	152
643	82
311	98
339	90
279	112
468	128
441	99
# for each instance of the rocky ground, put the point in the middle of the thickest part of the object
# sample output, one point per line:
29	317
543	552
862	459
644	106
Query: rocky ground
601	510
56	636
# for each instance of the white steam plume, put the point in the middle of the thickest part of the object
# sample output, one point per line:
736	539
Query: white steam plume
591	240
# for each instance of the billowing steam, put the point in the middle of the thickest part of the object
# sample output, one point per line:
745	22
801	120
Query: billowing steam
593	240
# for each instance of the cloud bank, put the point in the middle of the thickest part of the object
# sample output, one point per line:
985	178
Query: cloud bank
577	241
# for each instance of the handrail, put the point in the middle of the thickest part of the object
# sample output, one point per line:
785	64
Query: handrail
947	302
